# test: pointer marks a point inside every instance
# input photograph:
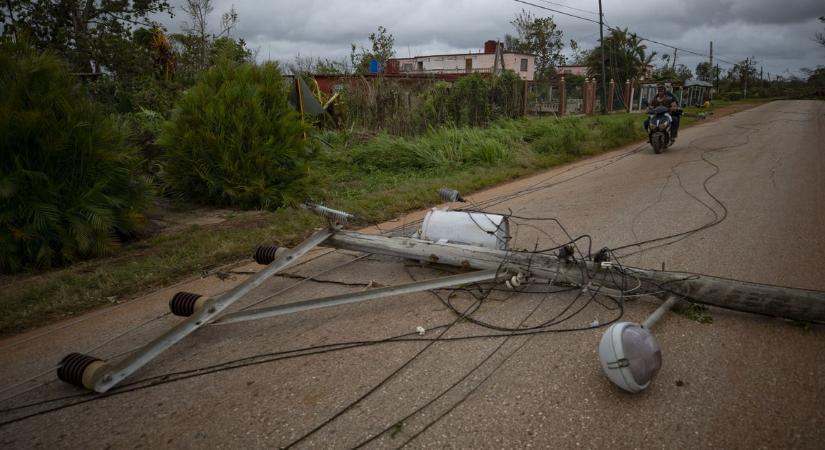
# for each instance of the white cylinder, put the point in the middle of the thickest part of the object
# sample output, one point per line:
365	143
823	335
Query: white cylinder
470	228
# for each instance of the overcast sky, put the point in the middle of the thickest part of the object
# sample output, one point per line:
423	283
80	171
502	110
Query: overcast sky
777	33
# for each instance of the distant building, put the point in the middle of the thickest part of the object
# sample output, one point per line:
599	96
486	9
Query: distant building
465	63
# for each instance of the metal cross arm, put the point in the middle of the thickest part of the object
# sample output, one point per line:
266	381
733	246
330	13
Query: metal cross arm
372	294
99	376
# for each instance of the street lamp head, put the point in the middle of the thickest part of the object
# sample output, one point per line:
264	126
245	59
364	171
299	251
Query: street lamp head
630	356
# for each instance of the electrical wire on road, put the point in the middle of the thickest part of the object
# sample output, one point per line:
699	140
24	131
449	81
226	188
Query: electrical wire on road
626	279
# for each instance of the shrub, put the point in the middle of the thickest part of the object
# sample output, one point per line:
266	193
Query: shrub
70	185
472	100
733	96
557	136
506	94
234	140
434	103
440	148
144	127
385	152
469	101
618	130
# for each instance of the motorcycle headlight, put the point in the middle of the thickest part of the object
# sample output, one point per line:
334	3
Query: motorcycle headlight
663	125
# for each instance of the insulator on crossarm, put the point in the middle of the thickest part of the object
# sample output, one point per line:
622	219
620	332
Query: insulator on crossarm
450	195
515	281
185	304
79	369
333	215
265	254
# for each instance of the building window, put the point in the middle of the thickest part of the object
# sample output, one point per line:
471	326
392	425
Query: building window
524	64
420	66
407	67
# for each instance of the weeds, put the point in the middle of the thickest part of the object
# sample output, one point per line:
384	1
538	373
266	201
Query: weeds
697	313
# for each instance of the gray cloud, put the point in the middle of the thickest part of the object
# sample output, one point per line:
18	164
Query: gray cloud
778	34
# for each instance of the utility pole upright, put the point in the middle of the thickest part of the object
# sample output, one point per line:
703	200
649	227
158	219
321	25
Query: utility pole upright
601	46
747	69
711	56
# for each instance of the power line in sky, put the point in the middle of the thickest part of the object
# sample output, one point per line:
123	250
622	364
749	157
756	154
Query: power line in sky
618	29
570	7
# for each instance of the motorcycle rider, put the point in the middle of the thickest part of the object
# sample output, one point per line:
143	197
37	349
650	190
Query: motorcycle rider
665	98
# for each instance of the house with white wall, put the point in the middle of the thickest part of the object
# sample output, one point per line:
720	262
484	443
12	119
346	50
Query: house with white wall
463	63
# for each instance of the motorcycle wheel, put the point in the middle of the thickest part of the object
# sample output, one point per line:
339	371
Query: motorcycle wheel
657	141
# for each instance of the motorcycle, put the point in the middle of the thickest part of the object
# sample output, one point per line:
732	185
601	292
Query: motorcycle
658	130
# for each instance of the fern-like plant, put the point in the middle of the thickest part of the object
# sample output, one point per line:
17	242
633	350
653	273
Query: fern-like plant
70	186
234	140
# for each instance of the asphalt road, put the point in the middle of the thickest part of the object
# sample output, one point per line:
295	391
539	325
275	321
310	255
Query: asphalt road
751	188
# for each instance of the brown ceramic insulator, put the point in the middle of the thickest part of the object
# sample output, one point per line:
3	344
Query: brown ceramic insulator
73	366
265	254
183	303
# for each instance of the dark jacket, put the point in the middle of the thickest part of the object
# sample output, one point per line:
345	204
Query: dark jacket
669	99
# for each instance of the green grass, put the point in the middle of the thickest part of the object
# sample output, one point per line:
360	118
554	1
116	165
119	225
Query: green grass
374	178
697	313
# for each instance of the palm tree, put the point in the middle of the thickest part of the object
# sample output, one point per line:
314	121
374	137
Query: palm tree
626	56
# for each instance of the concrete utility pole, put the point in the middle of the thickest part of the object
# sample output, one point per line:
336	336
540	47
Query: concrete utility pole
747	69
790	303
711	58
604	72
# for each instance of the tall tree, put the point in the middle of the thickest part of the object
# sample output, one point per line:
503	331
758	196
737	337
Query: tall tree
626	57
704	71
539	36
579	56
197	29
381	49
680	73
92	35
816	77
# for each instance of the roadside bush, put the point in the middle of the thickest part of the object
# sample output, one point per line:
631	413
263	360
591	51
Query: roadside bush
506	95
384	152
144	128
234	140
70	185
440	148
434	103
469	101
557	136
733	96
618	130
472	100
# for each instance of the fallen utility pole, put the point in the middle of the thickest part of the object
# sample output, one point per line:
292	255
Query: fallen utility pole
490	264
789	303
